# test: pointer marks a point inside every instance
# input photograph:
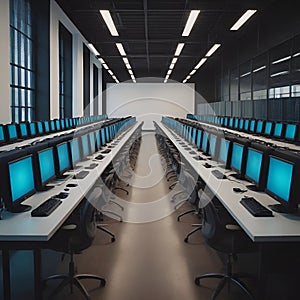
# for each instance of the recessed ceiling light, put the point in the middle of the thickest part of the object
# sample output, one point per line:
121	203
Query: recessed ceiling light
169	72
174	60
165	81
243	19
212	50
126	61
171	66
200	63
93	49
179	49
105	66
130	72
121	49
190	22
281	60
184	81
109	22
193	72
259	69
188	77
128	66
101	60
117	81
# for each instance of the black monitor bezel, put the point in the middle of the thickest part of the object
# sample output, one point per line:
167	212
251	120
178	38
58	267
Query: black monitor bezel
282	130
20	131
9	203
79	148
83	156
56	159
6	132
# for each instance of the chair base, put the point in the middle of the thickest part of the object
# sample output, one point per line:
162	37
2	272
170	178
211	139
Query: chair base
186	239
74	280
113	238
225	278
186	213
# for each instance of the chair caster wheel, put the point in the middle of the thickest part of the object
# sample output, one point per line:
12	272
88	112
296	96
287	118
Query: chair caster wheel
113	239
102	282
186	240
197	281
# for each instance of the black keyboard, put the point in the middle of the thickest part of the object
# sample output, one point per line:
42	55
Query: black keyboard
106	151
99	157
62	195
198	157
255	208
218	174
46	208
81	174
92	166
193	152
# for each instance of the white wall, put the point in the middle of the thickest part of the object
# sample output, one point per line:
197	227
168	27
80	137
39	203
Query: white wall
5	115
57	15
150	101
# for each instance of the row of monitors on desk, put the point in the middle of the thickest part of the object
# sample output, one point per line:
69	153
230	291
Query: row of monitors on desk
19	131
271	170
34	168
279	130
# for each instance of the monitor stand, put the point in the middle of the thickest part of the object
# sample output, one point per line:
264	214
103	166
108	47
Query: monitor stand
237	176
283	209
45	188
19	208
253	187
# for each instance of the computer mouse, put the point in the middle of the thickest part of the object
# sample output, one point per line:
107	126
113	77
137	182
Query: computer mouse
71	185
238	190
66	189
207	165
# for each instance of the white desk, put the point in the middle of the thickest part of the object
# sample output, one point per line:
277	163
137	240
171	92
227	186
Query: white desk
251	136
21	231
280	228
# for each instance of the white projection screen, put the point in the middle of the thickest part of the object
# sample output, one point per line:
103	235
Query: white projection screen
148	102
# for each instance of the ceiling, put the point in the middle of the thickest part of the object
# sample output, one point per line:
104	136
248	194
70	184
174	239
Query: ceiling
151	29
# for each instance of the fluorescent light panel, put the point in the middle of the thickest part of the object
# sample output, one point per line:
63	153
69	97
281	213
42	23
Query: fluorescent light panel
200	63
94	50
169	72
193	72
126	61
171	66
121	49
179	49
130	72
102	61
243	19
281	60
128	66
105	66
246	74
109	22
279	73
110	72
174	60
259	69
212	50
190	22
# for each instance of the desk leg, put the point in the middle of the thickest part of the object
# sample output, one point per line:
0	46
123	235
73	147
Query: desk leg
262	274
6	274
37	274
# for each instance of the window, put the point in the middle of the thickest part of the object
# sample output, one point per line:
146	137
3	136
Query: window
259	77
279	92
245	81
295	90
65	73
86	80
21	61
234	85
96	90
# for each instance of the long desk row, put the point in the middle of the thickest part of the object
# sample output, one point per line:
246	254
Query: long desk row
266	140
21	231
280	228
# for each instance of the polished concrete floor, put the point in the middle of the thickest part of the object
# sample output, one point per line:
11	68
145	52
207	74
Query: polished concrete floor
149	259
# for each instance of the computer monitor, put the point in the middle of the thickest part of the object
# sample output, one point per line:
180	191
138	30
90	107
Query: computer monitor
103	141
278	130
2	137
204	144
259	126
12	134
224	150
75	151
40	128
212	147
107	134
92	142
225	121
62	123
241	124
246	124
236	123
268	128
20	184
231	120
52	125
291	132
57	124
256	165
194	136
199	138
45	168
238	157
63	159
282	181
32	129
46	126
85	147
23	130
252	125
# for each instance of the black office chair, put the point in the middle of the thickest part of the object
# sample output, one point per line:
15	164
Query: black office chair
74	236
223	234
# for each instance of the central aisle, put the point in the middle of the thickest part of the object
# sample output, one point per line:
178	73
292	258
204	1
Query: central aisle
148	260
